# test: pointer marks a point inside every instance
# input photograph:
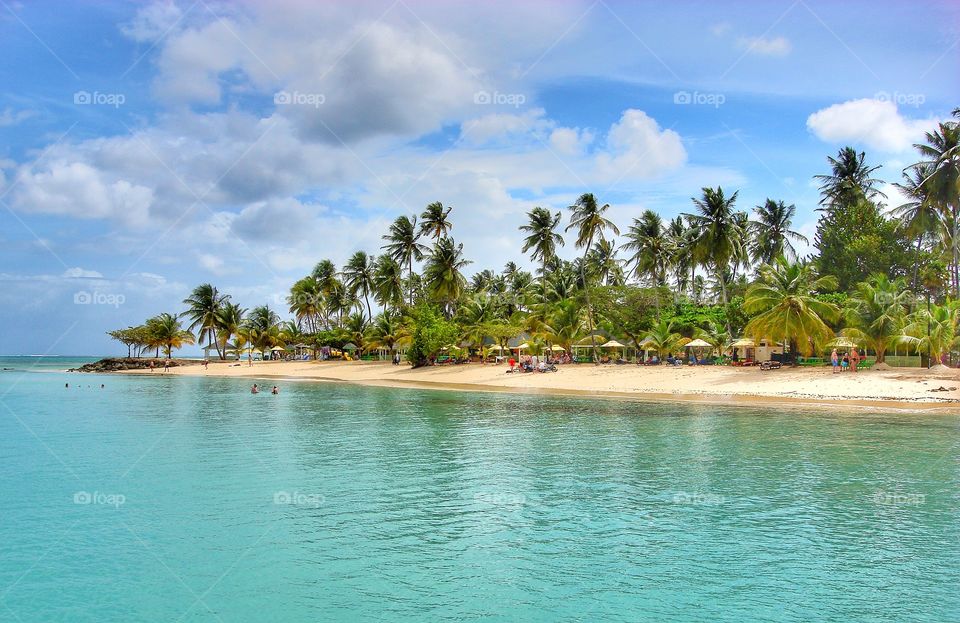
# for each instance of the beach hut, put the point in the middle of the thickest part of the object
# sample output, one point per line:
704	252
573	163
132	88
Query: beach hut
747	345
616	344
275	350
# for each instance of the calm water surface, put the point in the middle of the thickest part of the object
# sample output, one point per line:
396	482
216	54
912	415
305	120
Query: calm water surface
161	499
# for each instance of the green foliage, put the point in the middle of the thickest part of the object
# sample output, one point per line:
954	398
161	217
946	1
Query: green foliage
855	240
431	332
687	317
626	311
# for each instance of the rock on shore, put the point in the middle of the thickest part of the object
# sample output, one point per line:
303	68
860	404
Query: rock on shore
115	364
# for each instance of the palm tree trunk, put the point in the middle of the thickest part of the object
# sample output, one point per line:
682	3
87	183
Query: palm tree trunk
586	293
369	311
916	265
723	294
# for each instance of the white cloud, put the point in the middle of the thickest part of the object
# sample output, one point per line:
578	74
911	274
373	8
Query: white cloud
570	141
870	122
504	125
80	273
720	29
765	46
152	21
636	146
10	117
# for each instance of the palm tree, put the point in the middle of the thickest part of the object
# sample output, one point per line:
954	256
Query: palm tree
934	330
543	239
772	234
202	307
166	333
715	234
564	323
877	313
387	330
325	272
444	280
588	220
648	240
358	277
306	302
848	180
604	265
435	221
679	238
786	308
403	245
662	338
230	319
388	282
919	216
941	154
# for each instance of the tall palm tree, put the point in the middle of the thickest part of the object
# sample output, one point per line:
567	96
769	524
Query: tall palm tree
849	179
435	221
649	242
403	245
387	330
878	312
941	157
920	217
444	280
604	265
587	218
167	333
388	282
325	272
771	231
306	302
202	307
786	308
678	247
358	277
542	238
716	238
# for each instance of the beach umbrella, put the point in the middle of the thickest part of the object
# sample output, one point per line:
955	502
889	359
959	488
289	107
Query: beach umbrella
558	349
841	342
349	346
698	344
615	344
743	343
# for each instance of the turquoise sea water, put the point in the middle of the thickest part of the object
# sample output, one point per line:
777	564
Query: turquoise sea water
162	499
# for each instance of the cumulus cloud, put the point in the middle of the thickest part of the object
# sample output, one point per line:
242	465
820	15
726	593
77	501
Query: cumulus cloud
637	146
504	125
765	46
570	141
874	123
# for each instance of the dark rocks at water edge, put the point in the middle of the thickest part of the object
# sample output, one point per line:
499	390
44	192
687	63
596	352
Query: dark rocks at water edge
116	364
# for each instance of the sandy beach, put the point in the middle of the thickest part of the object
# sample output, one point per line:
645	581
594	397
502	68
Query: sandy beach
900	388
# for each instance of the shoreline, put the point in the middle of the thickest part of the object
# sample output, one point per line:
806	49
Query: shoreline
902	390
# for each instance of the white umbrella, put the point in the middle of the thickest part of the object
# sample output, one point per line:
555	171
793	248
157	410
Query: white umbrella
698	344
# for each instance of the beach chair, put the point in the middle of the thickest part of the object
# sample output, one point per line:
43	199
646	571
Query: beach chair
770	365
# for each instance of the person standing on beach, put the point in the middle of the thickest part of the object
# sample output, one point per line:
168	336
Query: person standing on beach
151	365
854	359
835	361
166	365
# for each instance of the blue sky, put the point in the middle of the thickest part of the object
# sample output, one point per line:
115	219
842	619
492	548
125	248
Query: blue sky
146	148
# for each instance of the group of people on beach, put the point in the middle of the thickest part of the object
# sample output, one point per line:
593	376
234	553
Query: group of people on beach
255	389
842	362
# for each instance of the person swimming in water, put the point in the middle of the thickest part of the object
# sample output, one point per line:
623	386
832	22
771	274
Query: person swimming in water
275	390
254	389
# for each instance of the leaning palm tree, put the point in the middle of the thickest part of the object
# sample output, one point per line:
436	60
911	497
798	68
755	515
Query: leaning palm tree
358	277
543	239
202	307
588	220
388	282
849	179
716	235
878	312
167	333
772	234
435	221
403	245
230	319
444	280
786	308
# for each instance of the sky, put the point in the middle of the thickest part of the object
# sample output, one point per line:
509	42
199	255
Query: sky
146	148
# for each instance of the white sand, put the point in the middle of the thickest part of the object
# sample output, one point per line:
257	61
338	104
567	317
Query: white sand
896	388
